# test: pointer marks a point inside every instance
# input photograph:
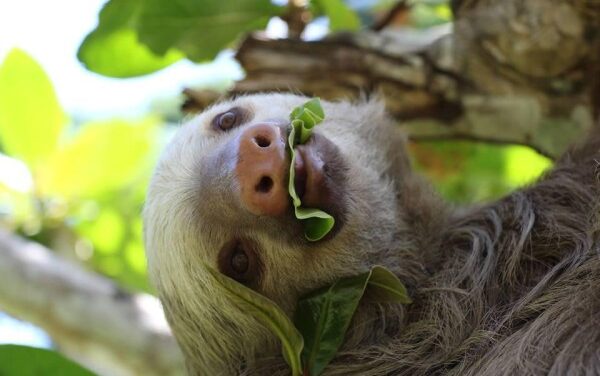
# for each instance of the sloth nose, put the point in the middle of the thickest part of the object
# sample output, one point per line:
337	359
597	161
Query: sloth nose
261	169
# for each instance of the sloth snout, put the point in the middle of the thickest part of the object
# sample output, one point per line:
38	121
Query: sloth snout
261	169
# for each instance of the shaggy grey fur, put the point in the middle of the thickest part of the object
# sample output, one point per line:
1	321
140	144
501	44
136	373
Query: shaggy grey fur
507	288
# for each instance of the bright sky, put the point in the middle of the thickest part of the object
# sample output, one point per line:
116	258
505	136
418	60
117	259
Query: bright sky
51	32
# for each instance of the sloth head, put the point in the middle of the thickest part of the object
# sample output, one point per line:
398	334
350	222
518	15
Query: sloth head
219	198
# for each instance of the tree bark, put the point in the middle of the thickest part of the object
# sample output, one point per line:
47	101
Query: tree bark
511	71
88	317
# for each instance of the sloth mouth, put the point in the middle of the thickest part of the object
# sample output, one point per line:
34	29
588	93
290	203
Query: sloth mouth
320	177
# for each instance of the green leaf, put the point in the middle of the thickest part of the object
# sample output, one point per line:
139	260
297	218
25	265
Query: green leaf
269	314
113	49
341	16
323	316
385	287
31	119
200	29
29	361
305	117
101	157
316	222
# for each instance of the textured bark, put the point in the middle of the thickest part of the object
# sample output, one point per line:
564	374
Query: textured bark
511	71
88	316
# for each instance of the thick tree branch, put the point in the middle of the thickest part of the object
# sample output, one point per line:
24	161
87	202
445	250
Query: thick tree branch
510	71
88	316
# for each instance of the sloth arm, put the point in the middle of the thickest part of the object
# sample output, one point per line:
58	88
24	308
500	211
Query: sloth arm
530	265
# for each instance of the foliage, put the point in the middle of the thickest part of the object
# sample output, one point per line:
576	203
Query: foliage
144	36
31	119
468	172
316	222
341	16
113	49
430	13
87	181
323	316
268	313
28	361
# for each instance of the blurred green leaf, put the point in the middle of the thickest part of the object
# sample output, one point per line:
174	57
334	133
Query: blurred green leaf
136	257
113	49
341	16
471	172
101	157
106	232
424	14
31	119
112	266
29	361
200	29
524	165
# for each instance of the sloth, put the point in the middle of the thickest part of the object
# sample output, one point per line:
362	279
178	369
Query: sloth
507	287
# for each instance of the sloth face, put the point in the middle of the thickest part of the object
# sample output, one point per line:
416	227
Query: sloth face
219	198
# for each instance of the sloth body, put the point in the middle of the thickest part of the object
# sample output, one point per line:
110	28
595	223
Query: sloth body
509	287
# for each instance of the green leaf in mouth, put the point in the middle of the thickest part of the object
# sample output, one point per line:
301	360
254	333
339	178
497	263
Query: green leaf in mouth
303	119
268	314
323	316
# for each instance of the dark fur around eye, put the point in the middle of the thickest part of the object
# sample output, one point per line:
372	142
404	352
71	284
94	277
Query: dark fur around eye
238	259
230	119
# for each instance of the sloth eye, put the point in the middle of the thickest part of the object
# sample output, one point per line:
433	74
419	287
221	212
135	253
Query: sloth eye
238	260
228	120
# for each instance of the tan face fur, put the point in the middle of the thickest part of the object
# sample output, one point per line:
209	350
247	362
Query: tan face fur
194	210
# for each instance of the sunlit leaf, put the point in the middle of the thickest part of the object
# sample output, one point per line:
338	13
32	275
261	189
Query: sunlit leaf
524	165
134	251
31	118
323	316
106	232
135	256
303	119
113	49
101	157
119	54
341	16
467	171
112	266
270	315
200	29
424	15
29	361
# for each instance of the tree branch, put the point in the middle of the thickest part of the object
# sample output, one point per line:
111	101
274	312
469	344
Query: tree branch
510	71
89	317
